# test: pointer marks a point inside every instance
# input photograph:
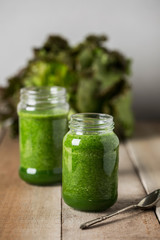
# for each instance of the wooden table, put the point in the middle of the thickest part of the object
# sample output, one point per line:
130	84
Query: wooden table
32	212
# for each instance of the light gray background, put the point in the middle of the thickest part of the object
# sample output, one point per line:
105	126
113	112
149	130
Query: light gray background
133	26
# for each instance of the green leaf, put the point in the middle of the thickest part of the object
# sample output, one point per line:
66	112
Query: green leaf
87	100
124	120
94	76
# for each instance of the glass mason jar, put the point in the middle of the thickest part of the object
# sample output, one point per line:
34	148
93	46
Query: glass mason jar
42	125
90	162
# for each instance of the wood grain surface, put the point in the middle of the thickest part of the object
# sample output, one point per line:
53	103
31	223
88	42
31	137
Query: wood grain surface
32	212
26	211
144	151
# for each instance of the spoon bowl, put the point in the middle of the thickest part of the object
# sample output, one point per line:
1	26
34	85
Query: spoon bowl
150	200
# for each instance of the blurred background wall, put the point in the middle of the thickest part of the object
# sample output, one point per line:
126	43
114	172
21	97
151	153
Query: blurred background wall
133	26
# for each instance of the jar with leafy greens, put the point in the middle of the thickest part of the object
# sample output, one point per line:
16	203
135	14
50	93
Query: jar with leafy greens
42	125
90	162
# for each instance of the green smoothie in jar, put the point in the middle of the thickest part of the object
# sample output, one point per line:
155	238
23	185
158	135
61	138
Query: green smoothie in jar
90	162
42	126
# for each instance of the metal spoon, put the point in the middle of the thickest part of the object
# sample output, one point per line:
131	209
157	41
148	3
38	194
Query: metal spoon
148	202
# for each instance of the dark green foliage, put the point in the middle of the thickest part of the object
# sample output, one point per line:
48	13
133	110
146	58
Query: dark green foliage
94	76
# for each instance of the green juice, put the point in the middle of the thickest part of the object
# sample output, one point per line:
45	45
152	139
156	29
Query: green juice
90	171
41	135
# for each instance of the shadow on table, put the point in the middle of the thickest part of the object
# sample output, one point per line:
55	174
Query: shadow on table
112	221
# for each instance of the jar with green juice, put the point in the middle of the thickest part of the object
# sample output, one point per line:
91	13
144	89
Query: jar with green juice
42	125
90	162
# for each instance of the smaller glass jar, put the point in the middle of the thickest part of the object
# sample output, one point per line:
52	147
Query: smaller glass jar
42	125
90	162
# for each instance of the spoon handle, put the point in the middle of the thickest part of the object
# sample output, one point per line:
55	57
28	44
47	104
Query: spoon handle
102	218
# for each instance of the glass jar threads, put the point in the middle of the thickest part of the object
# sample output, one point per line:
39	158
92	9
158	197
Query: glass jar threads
90	162
42	125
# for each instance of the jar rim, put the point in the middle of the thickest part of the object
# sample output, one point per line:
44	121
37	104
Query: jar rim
43	97
91	122
43	90
99	116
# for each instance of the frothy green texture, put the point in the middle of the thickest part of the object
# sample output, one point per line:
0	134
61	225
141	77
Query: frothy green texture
90	171
41	135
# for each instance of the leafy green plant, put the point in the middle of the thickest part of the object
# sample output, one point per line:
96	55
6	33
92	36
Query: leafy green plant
94	76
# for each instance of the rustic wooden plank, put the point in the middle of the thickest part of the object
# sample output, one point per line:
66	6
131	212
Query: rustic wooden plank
134	224
26	211
29	212
144	150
